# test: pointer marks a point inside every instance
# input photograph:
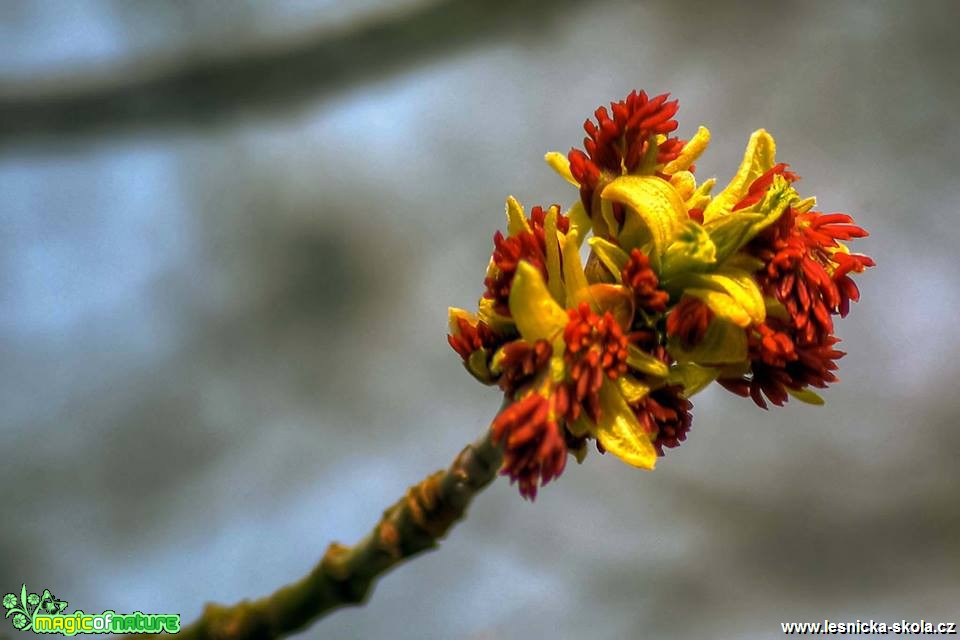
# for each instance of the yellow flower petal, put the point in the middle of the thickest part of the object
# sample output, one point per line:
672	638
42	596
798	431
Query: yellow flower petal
730	293
559	163
734	370
685	183
806	395
701	197
723	343
646	363
536	313
743	288
580	427
476	364
579	222
558	368
775	308
723	305
654	210
648	163
691	250
733	231
602	297
497	322
516	219
496	362
744	262
573	275
620	433
606	224
690	152
757	159
554	276
613	257
454	314
730	233
693	377
632	389
803	206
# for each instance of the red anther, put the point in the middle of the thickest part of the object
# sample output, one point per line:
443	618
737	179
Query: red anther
509	251
535	450
758	188
596	348
643	281
521	362
665	414
619	143
470	338
807	270
689	320
779	362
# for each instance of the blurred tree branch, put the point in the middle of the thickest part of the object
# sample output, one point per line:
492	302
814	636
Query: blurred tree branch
260	81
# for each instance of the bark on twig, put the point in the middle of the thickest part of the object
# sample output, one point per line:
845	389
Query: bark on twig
345	575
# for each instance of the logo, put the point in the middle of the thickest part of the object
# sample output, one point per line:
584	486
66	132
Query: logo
44	613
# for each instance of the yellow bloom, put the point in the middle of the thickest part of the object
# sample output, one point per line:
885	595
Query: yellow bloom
680	288
540	317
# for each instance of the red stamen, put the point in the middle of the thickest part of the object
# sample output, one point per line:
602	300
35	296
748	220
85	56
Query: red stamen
805	270
521	362
471	338
779	362
619	143
758	188
774	348
507	254
665	414
643	281
538	216
509	251
535	450
689	320
595	348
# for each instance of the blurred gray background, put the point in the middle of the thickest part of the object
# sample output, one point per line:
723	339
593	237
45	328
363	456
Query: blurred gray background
230	235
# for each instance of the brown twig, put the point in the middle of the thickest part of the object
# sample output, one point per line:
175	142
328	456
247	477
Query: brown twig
345	575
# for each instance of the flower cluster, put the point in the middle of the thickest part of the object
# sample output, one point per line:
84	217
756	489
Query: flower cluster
681	287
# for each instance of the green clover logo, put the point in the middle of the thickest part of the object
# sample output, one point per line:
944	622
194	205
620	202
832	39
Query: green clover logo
23	609
50	604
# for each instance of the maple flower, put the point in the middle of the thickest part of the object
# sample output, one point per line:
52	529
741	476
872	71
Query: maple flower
590	358
572	371
803	268
680	288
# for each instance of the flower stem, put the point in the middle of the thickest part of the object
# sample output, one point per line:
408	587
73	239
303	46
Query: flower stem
345	575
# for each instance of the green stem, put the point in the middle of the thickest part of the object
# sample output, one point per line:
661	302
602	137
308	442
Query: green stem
345	575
